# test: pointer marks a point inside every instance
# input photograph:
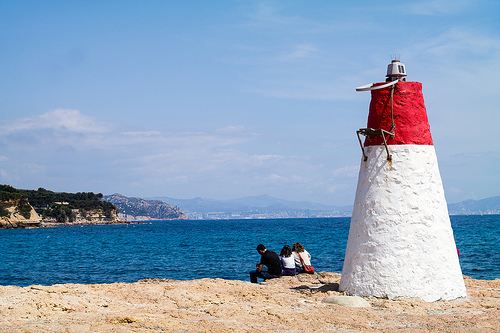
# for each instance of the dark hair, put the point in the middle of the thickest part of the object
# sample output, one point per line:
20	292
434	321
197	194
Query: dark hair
261	247
286	251
297	247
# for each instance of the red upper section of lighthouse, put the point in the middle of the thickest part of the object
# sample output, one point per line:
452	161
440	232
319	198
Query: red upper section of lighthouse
410	116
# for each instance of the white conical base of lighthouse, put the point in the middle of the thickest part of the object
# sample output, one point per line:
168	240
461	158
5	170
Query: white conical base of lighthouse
400	239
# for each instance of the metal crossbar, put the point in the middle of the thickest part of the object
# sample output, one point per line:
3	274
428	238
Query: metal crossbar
374	132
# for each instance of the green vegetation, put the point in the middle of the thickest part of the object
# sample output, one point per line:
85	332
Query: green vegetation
60	212
25	210
60	206
7	193
3	212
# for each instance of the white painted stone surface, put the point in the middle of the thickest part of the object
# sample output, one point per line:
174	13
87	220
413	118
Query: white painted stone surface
400	239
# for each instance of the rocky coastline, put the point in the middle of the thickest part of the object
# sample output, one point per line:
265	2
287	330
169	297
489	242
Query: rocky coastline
304	303
44	208
15	221
31	219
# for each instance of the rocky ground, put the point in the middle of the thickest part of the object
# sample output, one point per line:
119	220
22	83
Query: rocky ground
305	303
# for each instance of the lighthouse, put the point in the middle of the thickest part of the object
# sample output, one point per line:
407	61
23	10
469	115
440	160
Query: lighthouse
400	241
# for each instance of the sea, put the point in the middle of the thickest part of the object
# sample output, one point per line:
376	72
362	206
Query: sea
196	249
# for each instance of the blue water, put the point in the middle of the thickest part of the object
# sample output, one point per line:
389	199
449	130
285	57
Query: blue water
185	250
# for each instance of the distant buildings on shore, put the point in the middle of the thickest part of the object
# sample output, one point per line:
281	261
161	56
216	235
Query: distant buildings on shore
265	215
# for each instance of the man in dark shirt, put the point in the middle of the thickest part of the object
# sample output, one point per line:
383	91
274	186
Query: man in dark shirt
269	259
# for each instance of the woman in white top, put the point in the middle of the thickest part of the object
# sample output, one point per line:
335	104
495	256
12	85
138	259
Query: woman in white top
296	249
287	261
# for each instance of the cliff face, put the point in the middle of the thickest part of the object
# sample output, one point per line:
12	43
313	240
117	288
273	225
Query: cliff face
16	208
18	213
40	208
136	209
79	217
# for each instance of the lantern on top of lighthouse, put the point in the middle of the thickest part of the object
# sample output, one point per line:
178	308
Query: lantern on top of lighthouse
400	238
396	71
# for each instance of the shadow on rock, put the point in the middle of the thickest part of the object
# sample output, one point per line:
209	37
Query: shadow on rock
318	288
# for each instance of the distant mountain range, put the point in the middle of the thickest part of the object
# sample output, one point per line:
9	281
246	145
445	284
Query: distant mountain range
136	209
254	203
264	204
473	207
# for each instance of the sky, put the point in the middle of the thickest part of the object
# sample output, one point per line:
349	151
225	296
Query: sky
228	99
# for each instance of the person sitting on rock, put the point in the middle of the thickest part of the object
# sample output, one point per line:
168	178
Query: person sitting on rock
296	249
287	261
269	259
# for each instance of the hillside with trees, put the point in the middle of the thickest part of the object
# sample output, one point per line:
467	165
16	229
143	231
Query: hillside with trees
136	209
51	207
62	206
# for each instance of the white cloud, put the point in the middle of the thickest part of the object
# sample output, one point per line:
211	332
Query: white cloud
335	188
4	176
62	128
299	51
145	134
266	15
90	152
52	130
16	171
347	171
274	177
231	129
59	120
458	69
462	43
153	156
